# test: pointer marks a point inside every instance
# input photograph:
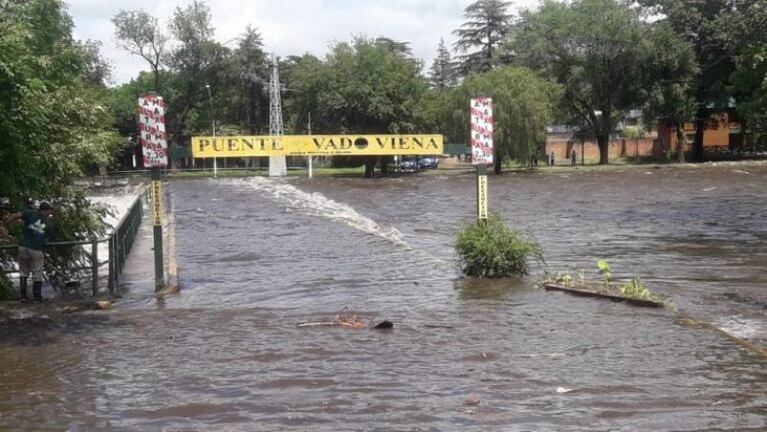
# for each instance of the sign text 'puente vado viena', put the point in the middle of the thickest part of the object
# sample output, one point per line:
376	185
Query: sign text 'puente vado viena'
316	145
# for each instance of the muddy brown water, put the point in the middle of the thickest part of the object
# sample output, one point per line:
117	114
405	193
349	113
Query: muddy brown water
257	256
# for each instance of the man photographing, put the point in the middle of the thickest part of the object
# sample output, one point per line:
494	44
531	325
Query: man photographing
31	244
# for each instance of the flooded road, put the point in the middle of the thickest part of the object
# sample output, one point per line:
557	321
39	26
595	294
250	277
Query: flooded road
257	256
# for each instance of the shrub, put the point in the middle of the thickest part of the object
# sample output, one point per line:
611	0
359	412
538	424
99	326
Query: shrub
489	248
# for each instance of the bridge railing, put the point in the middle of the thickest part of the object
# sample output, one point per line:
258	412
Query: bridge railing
117	244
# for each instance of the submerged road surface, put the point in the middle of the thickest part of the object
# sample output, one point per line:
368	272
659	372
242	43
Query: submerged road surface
257	256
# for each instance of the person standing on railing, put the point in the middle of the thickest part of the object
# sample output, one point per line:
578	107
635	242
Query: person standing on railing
31	244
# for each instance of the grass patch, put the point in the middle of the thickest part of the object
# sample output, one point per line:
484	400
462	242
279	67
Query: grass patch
490	248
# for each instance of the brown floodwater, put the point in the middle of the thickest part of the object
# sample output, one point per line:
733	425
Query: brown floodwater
257	256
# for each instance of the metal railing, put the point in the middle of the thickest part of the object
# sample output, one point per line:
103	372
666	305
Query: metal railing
119	242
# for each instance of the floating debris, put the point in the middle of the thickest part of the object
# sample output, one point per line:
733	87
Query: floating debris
633	291
349	320
103	304
472	401
608	291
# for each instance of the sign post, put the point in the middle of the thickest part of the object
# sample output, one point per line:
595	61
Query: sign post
481	110
154	146
159	274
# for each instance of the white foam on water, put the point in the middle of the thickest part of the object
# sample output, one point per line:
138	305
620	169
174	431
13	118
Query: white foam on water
744	328
316	204
119	205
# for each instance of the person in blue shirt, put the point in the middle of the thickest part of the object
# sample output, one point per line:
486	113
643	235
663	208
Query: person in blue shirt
33	239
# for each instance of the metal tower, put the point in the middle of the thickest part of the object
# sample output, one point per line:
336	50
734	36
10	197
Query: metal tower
277	164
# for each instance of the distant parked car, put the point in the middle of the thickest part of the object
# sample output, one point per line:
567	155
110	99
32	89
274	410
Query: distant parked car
408	164
428	162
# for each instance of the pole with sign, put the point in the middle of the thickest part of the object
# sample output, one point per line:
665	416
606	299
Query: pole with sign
156	195
481	111
154	146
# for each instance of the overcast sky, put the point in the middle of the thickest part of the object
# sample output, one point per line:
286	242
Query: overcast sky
288	27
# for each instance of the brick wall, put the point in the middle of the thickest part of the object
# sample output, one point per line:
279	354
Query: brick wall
619	148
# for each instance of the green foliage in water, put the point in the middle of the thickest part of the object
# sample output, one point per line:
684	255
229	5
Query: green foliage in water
604	270
636	289
490	248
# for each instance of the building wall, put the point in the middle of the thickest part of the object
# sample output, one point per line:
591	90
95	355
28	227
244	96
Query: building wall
721	132
589	150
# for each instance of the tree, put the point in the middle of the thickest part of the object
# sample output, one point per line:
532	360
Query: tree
360	87
743	32
252	72
196	61
139	33
699	24
54	121
523	105
485	28
670	96
442	72
750	82
98	71
596	49
396	47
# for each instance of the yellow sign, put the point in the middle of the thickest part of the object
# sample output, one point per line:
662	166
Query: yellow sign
482	197
316	145
157	202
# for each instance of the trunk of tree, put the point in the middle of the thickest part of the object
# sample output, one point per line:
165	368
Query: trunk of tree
156	72
497	163
680	141
697	145
603	140
370	166
384	165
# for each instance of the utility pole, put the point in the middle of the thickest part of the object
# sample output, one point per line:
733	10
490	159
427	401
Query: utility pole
277	164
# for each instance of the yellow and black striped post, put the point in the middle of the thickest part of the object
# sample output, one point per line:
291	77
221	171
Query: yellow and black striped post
481	192
156	194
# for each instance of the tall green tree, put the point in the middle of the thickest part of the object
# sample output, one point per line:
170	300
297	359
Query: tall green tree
750	84
360	87
55	124
252	72
596	49
523	105
140	34
669	95
698	23
743	32
197	60
486	25
442	71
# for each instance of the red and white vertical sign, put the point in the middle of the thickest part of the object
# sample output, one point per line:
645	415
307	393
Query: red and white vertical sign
482	131
153	140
